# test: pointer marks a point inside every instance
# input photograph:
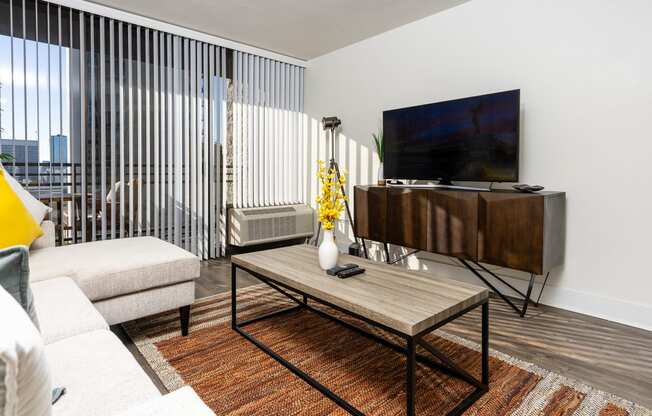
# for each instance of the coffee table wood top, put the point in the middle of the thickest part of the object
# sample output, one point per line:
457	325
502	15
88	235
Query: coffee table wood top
404	300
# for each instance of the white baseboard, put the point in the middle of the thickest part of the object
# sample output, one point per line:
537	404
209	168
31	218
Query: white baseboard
615	310
584	302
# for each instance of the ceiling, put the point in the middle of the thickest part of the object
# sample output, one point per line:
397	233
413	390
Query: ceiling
302	29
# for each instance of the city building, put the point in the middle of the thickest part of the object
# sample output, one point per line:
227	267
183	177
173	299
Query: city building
59	148
23	151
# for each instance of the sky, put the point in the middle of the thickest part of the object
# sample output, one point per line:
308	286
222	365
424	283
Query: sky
30	82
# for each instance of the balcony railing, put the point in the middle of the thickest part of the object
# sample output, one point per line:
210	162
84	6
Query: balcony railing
59	186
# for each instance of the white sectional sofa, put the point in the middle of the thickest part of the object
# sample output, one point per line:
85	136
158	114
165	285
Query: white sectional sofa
79	290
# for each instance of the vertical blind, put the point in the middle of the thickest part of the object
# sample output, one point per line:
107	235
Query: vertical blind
269	132
134	117
159	160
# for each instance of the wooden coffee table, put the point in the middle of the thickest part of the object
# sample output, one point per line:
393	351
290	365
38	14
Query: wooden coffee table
405	303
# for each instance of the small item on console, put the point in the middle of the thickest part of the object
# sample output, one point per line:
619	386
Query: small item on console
355	250
528	188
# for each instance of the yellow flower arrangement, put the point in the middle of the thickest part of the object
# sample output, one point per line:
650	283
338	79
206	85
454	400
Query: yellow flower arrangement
331	198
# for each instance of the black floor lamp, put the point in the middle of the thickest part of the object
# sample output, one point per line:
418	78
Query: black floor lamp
332	124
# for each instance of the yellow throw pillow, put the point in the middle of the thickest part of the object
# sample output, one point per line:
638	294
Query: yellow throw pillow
17	226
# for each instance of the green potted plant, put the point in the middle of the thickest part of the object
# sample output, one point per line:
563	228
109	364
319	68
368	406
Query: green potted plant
5	157
380	151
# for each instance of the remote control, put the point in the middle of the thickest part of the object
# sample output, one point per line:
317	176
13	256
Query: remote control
528	188
337	269
350	272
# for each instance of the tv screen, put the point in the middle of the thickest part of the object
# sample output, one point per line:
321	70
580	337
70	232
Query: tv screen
469	139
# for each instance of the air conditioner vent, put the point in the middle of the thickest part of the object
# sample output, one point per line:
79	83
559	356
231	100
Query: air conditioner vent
272	227
250	226
273	210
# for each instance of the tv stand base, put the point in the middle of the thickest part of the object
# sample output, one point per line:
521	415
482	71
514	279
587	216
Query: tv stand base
526	297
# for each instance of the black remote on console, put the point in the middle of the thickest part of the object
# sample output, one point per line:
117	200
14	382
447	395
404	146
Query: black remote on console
338	269
350	272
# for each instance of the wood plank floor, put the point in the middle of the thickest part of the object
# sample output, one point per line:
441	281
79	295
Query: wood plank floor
610	356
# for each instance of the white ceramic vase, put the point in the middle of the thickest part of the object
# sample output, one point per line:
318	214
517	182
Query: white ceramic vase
328	252
380	172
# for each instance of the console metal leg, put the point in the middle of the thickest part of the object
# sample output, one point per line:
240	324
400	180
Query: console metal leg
386	246
492	287
503	281
485	344
527	296
233	296
542	287
364	248
411	375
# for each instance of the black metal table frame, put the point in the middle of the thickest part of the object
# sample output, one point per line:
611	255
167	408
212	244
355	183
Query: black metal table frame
445	364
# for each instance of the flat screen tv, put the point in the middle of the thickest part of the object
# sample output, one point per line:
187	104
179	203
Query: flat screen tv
468	139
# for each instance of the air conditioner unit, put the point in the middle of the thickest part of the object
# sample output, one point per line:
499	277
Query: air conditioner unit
250	226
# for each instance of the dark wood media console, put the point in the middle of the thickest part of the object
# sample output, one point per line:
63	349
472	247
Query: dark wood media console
516	230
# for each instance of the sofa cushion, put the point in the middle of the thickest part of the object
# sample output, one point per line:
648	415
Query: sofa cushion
64	310
109	268
25	384
14	278
100	375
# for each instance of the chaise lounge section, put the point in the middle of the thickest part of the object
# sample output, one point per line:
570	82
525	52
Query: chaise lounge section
126	278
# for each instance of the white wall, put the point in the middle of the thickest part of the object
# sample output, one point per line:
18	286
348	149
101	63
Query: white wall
584	68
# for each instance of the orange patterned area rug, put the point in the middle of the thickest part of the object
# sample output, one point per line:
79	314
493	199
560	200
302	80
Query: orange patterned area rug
235	378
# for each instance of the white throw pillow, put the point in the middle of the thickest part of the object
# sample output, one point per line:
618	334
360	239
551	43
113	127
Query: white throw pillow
36	208
25	386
